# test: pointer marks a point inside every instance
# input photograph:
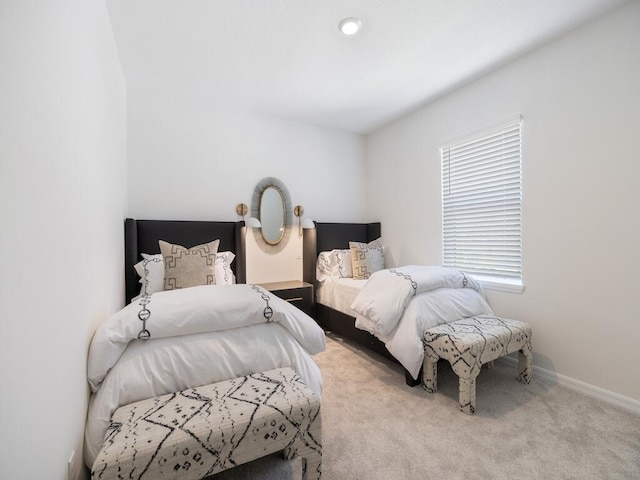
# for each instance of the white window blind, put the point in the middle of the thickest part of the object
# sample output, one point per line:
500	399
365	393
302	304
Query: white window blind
481	204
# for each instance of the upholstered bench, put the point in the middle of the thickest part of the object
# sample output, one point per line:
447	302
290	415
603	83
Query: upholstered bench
195	433
470	343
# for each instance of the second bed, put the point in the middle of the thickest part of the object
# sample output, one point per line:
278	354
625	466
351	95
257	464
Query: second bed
394	306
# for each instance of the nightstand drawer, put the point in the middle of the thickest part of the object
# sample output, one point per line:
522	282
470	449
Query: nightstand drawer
300	297
296	292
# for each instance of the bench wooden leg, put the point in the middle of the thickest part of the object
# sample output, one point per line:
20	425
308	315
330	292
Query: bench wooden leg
312	467
468	394
307	446
430	374
467	367
525	367
311	461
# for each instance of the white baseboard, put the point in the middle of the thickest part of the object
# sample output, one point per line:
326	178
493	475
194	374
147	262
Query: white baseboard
580	387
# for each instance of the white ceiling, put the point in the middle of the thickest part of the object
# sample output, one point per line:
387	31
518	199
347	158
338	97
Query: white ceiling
287	58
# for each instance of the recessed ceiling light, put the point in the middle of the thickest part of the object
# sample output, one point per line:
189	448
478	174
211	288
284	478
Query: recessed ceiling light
350	26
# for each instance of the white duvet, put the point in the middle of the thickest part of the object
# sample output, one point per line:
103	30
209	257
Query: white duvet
397	305
199	335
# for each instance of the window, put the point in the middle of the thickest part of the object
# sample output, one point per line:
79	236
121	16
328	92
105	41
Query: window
482	206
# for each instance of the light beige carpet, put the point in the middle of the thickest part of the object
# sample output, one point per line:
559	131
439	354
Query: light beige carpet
376	427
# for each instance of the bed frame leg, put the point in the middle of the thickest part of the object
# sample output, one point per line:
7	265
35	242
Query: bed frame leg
412	382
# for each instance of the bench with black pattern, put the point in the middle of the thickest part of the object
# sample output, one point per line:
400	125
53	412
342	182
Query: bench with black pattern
200	431
470	343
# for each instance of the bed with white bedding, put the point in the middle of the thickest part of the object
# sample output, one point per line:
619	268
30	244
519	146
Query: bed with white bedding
196	336
389	311
326	237
398	304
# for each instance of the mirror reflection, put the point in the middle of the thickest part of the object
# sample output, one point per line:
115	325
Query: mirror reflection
272	215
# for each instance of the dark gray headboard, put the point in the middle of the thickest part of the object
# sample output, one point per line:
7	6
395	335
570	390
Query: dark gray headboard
141	236
328	236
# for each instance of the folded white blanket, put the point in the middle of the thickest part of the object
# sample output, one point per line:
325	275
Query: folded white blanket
387	293
188	311
199	335
425	311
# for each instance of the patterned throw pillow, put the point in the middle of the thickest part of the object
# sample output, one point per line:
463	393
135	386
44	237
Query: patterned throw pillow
188	267
366	258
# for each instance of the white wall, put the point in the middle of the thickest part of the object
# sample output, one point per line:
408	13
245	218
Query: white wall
192	161
63	199
580	98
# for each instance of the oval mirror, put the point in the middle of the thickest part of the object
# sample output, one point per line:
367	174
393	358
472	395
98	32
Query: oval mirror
272	215
271	204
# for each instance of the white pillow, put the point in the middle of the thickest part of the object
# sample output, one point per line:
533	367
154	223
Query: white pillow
151	270
222	265
323	266
342	259
333	264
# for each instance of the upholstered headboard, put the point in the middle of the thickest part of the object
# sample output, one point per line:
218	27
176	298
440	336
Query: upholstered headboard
328	236
141	236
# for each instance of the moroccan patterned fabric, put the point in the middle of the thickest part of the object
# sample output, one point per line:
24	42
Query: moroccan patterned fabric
201	431
470	343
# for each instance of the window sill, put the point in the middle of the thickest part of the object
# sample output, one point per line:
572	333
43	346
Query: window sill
500	285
